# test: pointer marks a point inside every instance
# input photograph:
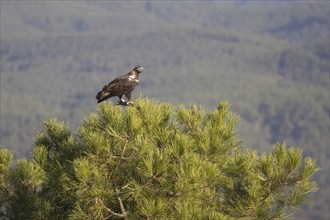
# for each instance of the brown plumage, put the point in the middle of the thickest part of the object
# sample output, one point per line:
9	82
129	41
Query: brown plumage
123	85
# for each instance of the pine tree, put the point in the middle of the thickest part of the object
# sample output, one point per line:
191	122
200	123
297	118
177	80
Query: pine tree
152	161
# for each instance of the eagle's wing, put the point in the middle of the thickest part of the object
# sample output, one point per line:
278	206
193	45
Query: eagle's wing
114	88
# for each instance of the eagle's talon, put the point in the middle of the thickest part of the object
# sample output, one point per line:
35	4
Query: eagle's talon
129	103
122	102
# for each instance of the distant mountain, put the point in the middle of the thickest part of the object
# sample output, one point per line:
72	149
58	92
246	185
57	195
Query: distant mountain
308	64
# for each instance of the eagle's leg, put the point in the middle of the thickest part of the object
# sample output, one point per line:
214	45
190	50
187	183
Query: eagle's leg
121	100
128	96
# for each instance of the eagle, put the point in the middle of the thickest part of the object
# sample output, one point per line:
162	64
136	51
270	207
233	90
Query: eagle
123	85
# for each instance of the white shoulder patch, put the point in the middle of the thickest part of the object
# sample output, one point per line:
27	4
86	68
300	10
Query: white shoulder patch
132	78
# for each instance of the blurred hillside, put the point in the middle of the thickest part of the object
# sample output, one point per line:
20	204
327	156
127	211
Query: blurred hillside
270	60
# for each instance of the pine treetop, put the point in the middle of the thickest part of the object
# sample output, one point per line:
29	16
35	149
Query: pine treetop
152	161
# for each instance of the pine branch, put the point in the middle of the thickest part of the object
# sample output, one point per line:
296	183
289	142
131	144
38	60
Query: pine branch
123	215
121	205
122	157
117	191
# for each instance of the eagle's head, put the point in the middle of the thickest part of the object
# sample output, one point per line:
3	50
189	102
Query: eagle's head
138	69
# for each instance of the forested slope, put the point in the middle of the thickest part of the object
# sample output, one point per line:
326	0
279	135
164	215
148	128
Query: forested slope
269	60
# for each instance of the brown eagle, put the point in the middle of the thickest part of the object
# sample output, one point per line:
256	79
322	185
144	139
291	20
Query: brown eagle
123	85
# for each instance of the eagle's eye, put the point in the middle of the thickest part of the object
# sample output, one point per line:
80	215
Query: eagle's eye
139	69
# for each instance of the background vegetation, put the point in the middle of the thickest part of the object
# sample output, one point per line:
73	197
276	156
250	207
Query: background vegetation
270	60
